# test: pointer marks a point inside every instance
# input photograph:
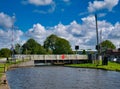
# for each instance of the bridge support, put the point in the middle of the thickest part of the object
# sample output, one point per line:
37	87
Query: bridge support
60	61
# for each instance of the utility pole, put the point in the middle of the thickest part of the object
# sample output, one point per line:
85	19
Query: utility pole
96	29
12	44
97	46
100	41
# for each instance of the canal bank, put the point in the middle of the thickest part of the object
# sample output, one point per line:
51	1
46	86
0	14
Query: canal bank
4	82
8	66
112	66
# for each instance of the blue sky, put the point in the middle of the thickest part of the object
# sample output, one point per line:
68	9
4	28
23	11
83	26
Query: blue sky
70	19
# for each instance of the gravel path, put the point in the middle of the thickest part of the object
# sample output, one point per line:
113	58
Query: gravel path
4	85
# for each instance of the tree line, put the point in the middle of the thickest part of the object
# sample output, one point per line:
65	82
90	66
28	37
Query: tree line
52	45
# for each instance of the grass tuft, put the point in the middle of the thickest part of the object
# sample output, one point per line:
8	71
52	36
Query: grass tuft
111	66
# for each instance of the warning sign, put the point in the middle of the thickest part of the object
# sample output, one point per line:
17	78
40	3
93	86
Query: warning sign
63	56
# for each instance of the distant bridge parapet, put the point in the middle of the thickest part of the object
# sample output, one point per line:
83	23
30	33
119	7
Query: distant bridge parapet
54	58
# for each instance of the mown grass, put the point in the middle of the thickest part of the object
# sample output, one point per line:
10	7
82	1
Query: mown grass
111	66
8	64
1	69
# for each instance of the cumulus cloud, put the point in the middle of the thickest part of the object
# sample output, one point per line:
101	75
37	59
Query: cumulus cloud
8	36
51	9
6	31
38	32
6	21
115	32
101	14
98	5
38	2
83	34
74	32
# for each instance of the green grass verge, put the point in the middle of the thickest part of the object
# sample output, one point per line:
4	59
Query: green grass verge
8	65
111	66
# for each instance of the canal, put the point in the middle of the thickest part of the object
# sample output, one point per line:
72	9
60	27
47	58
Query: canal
56	77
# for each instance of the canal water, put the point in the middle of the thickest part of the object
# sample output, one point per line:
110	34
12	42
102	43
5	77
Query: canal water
55	77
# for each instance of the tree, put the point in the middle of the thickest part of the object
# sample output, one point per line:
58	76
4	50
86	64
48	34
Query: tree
57	45
5	52
62	47
32	47
83	52
107	45
17	48
49	43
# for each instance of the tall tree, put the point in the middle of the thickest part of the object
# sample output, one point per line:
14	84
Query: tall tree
83	52
32	47
57	45
107	45
17	48
49	43
5	52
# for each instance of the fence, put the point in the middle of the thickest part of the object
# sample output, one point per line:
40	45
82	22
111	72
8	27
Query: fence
52	57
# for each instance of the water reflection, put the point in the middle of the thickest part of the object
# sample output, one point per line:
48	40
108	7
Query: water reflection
62	78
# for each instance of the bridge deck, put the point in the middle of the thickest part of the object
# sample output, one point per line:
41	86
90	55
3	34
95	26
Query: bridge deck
54	58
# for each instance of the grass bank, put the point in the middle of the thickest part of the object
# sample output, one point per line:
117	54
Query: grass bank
8	64
5	66
111	66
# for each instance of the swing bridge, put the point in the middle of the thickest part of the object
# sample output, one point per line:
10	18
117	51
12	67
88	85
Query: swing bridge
54	59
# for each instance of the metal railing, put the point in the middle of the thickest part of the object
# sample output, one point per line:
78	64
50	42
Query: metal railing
52	57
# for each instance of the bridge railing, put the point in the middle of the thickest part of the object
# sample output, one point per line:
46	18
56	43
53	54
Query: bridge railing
52	57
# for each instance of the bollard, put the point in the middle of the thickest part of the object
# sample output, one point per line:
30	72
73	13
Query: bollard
4	82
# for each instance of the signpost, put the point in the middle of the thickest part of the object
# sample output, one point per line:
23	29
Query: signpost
76	48
63	57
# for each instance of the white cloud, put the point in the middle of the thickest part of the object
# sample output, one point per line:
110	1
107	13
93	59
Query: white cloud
50	5
38	32
115	32
83	34
37	29
6	31
74	32
6	21
49	10
40	2
9	37
101	14
98	5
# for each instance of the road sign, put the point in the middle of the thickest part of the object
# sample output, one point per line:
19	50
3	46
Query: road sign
63	56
